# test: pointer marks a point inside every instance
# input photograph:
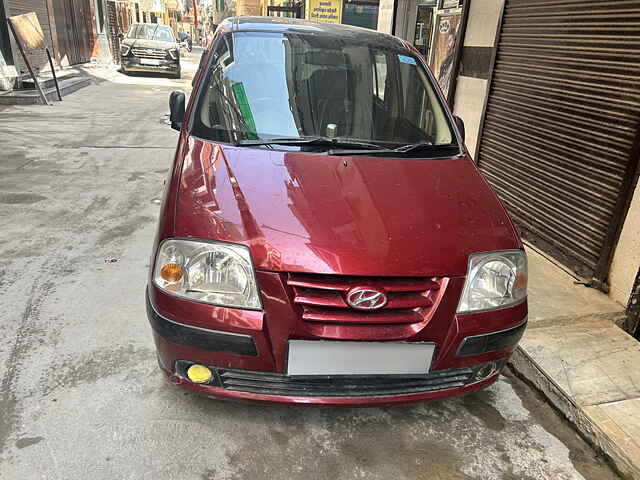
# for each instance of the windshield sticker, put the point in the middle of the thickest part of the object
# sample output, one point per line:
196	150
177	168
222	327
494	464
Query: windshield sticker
405	59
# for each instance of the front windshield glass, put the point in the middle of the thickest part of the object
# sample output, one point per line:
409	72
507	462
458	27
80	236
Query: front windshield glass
270	85
152	32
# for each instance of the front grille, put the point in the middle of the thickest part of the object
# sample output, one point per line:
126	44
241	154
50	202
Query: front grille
322	298
148	53
345	386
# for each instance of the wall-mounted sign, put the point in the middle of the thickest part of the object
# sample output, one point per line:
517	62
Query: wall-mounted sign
443	52
329	11
448	3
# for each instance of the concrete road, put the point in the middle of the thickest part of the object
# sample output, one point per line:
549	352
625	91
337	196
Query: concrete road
80	394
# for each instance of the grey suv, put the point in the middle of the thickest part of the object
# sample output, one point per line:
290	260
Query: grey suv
149	47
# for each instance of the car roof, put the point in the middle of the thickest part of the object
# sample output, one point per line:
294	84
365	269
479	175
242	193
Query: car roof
295	25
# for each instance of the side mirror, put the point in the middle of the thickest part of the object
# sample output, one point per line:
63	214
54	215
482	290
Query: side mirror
460	125
176	109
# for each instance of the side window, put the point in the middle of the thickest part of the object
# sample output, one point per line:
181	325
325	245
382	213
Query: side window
380	75
223	53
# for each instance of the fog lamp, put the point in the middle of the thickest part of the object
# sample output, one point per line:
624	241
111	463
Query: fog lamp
487	370
199	374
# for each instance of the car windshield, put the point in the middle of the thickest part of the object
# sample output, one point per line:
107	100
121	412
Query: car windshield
152	32
263	86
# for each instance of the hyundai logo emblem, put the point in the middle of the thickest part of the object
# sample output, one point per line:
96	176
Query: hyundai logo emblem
366	299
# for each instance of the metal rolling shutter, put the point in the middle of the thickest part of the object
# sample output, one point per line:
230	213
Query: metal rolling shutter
18	7
561	122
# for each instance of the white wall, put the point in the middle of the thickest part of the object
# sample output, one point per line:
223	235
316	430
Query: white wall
405	18
385	16
468	103
482	25
626	259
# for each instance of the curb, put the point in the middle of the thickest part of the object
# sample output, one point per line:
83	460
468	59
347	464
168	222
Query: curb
522	363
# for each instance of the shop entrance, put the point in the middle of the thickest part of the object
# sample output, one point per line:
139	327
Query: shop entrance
561	131
424	30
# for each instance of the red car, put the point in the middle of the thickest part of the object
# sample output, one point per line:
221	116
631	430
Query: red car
325	237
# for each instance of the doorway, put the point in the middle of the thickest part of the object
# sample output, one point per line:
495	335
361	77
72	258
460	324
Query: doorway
424	30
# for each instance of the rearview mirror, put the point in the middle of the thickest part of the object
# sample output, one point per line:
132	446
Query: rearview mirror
176	109
460	125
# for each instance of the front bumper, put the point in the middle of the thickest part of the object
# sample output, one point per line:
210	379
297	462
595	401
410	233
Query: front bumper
362	399
244	366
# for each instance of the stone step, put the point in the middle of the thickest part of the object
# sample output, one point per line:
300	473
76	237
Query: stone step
32	96
46	80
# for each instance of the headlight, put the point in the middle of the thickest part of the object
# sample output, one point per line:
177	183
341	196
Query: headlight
494	280
124	50
173	53
209	272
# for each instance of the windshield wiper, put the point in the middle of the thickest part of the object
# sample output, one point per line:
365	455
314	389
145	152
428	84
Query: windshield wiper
349	147
401	150
413	147
314	142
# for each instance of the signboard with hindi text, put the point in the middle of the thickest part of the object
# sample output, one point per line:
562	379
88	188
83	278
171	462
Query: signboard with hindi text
329	11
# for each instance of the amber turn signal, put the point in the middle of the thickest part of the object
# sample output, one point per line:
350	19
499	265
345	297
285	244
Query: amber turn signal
521	281
171	272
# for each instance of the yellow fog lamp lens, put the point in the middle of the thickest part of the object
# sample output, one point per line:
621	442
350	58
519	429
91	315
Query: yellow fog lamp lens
199	374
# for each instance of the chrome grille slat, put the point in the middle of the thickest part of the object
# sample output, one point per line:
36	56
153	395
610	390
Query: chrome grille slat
382	316
321	298
336	282
145	53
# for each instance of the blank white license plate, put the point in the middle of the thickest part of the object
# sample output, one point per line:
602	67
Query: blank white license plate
315	357
149	61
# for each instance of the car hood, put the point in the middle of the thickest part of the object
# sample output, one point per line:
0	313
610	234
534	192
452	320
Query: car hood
305	212
142	43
